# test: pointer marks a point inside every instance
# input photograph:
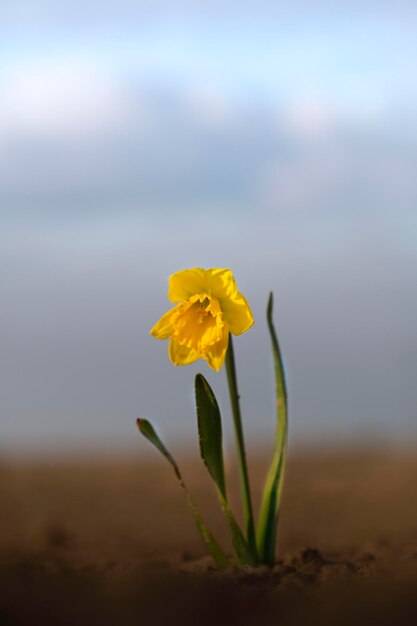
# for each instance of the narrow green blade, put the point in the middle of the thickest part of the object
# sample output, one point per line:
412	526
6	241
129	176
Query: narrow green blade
214	548
211	449
271	501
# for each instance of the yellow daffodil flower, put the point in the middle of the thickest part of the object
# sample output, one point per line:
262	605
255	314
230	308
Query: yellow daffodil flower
209	308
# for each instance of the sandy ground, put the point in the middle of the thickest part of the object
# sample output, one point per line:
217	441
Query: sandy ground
112	543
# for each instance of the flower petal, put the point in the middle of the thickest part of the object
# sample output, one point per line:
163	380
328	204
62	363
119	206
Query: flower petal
216	282
216	354
220	283
237	313
186	283
164	327
180	354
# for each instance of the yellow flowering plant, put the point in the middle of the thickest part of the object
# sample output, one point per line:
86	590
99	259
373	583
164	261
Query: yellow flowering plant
208	310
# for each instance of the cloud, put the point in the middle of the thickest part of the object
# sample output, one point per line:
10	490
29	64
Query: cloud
350	167
309	118
75	137
61	98
210	107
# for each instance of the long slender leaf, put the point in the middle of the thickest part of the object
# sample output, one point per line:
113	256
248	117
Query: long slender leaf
210	438
271	502
214	548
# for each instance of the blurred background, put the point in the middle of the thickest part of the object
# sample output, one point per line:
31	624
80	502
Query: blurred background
140	138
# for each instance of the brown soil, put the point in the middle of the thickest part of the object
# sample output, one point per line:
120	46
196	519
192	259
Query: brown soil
112	543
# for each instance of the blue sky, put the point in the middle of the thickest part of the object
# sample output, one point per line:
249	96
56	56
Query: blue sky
340	53
278	139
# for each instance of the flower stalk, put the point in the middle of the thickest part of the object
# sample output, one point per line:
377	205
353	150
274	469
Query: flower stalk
241	452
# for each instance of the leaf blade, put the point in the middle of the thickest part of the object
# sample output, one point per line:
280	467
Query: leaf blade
219	556
271	501
210	431
211	450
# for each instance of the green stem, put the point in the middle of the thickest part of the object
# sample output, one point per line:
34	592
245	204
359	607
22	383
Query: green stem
240	443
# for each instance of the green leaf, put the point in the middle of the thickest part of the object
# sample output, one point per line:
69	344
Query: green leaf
210	431
214	548
210	438
271	501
